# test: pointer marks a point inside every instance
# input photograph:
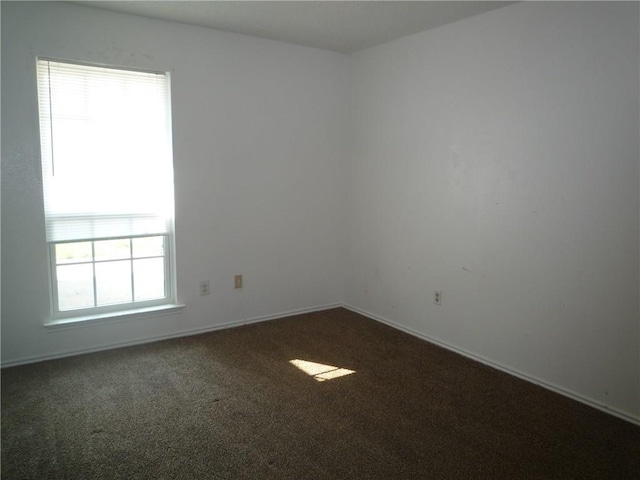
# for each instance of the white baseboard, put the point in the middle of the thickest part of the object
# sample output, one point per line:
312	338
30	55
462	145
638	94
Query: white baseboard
177	334
479	358
511	371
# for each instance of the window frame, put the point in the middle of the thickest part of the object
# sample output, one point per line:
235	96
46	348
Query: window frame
169	303
99	310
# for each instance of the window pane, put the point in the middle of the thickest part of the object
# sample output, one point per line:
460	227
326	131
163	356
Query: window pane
148	247
73	252
117	209
113	282
75	286
148	278
113	249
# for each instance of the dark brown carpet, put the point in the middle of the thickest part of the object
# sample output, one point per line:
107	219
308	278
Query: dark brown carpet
229	405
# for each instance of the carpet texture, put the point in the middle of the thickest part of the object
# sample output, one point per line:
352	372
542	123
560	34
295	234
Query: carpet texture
230	405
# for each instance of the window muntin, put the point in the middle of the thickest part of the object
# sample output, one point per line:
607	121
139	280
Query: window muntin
109	272
108	187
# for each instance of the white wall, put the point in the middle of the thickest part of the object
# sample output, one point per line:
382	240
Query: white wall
497	159
259	131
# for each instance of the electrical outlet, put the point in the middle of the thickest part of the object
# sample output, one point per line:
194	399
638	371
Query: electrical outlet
204	287
437	297
237	281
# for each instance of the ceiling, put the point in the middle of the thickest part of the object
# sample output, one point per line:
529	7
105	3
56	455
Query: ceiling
341	26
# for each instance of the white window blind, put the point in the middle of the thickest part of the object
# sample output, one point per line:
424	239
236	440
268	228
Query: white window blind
106	151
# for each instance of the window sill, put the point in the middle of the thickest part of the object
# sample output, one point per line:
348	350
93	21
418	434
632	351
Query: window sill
101	319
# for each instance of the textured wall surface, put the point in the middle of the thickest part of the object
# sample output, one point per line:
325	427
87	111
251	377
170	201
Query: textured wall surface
258	134
496	159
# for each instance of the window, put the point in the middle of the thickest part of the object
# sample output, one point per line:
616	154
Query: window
105	136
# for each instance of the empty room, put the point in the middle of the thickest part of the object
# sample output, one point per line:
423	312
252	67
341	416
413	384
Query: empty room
320	240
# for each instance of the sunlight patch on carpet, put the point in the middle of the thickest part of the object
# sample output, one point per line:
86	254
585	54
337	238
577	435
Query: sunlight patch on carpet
320	371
